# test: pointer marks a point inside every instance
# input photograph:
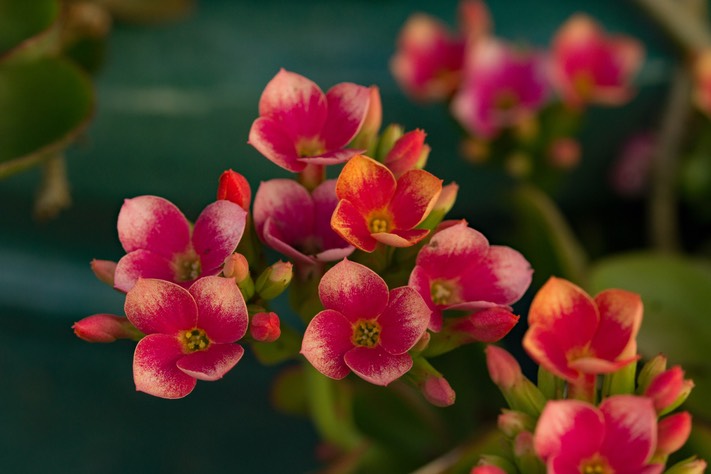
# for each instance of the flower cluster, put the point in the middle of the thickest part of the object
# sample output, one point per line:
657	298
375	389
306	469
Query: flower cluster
572	423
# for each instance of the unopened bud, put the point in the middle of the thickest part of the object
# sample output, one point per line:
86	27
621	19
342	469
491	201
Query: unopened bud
104	270
264	327
105	328
667	388
488	325
438	392
368	133
442	206
274	280
512	422
520	393
390	135
564	153
237	267
691	465
488	469
649	372
235	188
495	465
673	432
407	153
525	453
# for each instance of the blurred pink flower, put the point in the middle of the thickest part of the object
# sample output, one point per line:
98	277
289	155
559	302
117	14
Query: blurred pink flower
459	270
590	66
189	333
161	243
501	87
298	124
365	328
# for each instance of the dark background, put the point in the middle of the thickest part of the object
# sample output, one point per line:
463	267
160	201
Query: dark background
175	102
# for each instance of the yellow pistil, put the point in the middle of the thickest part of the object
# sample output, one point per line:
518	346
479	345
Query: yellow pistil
441	292
595	465
366	333
194	340
378	224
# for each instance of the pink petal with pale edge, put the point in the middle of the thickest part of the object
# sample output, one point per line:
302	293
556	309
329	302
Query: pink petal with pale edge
154	369
274	238
350	224
367	184
405	153
420	282
404	320
376	365
333	157
291	207
544	348
566	311
141	264
325	202
620	320
572	428
594	365
347	106
631	431
502	277
271	140
155	224
326	340
296	102
157	306
213	363
217	232
401	238
489	325
451	251
354	290
334	254
222	312
416	193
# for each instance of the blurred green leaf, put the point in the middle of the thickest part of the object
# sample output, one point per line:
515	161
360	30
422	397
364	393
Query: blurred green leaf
676	292
45	103
24	19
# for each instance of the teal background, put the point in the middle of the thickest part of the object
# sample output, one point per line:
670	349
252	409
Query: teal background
175	102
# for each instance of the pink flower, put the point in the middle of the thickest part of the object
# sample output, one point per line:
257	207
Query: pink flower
297	223
189	333
298	124
365	328
459	270
501	87
375	207
573	436
591	66
161	243
575	336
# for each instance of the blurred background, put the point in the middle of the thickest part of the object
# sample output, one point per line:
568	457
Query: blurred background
174	103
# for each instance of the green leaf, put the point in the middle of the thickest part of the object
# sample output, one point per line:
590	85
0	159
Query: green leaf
676	292
24	19
45	103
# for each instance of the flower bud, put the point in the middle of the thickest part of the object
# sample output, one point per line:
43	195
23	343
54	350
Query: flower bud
511	423
237	267
520	393
487	469
525	453
488	325
368	133
564	153
388	138
493	464
673	431
667	388
442	206
264	327
408	152
650	370
422	344
691	465
274	280
438	392
105	328
234	187
104	270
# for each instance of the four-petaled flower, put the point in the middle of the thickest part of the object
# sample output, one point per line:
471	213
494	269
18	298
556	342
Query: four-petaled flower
576	337
297	223
375	207
459	270
161	243
591	66
189	333
365	328
298	124
619	437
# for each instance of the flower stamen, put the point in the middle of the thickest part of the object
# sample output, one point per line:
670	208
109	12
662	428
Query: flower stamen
366	333
195	340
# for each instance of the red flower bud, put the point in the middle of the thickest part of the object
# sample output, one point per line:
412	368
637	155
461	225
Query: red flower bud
438	392
105	328
235	188
265	327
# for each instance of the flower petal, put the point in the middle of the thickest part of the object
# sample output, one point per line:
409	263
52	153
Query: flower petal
544	347
350	225
213	363
620	320
569	427
502	277
452	250
274	238
354	290
595	365
488	325
158	306
271	140
333	157
367	184
347	106
141	264
153	223
154	369
325	202
222	312
401	238
631	431
291	207
376	365
416	193
326	339
217	232
420	282
404	320
296	102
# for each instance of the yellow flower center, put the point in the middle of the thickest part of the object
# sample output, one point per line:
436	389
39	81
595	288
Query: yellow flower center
194	340
596	465
441	292
583	84
310	147
505	100
378	224
366	333
187	266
